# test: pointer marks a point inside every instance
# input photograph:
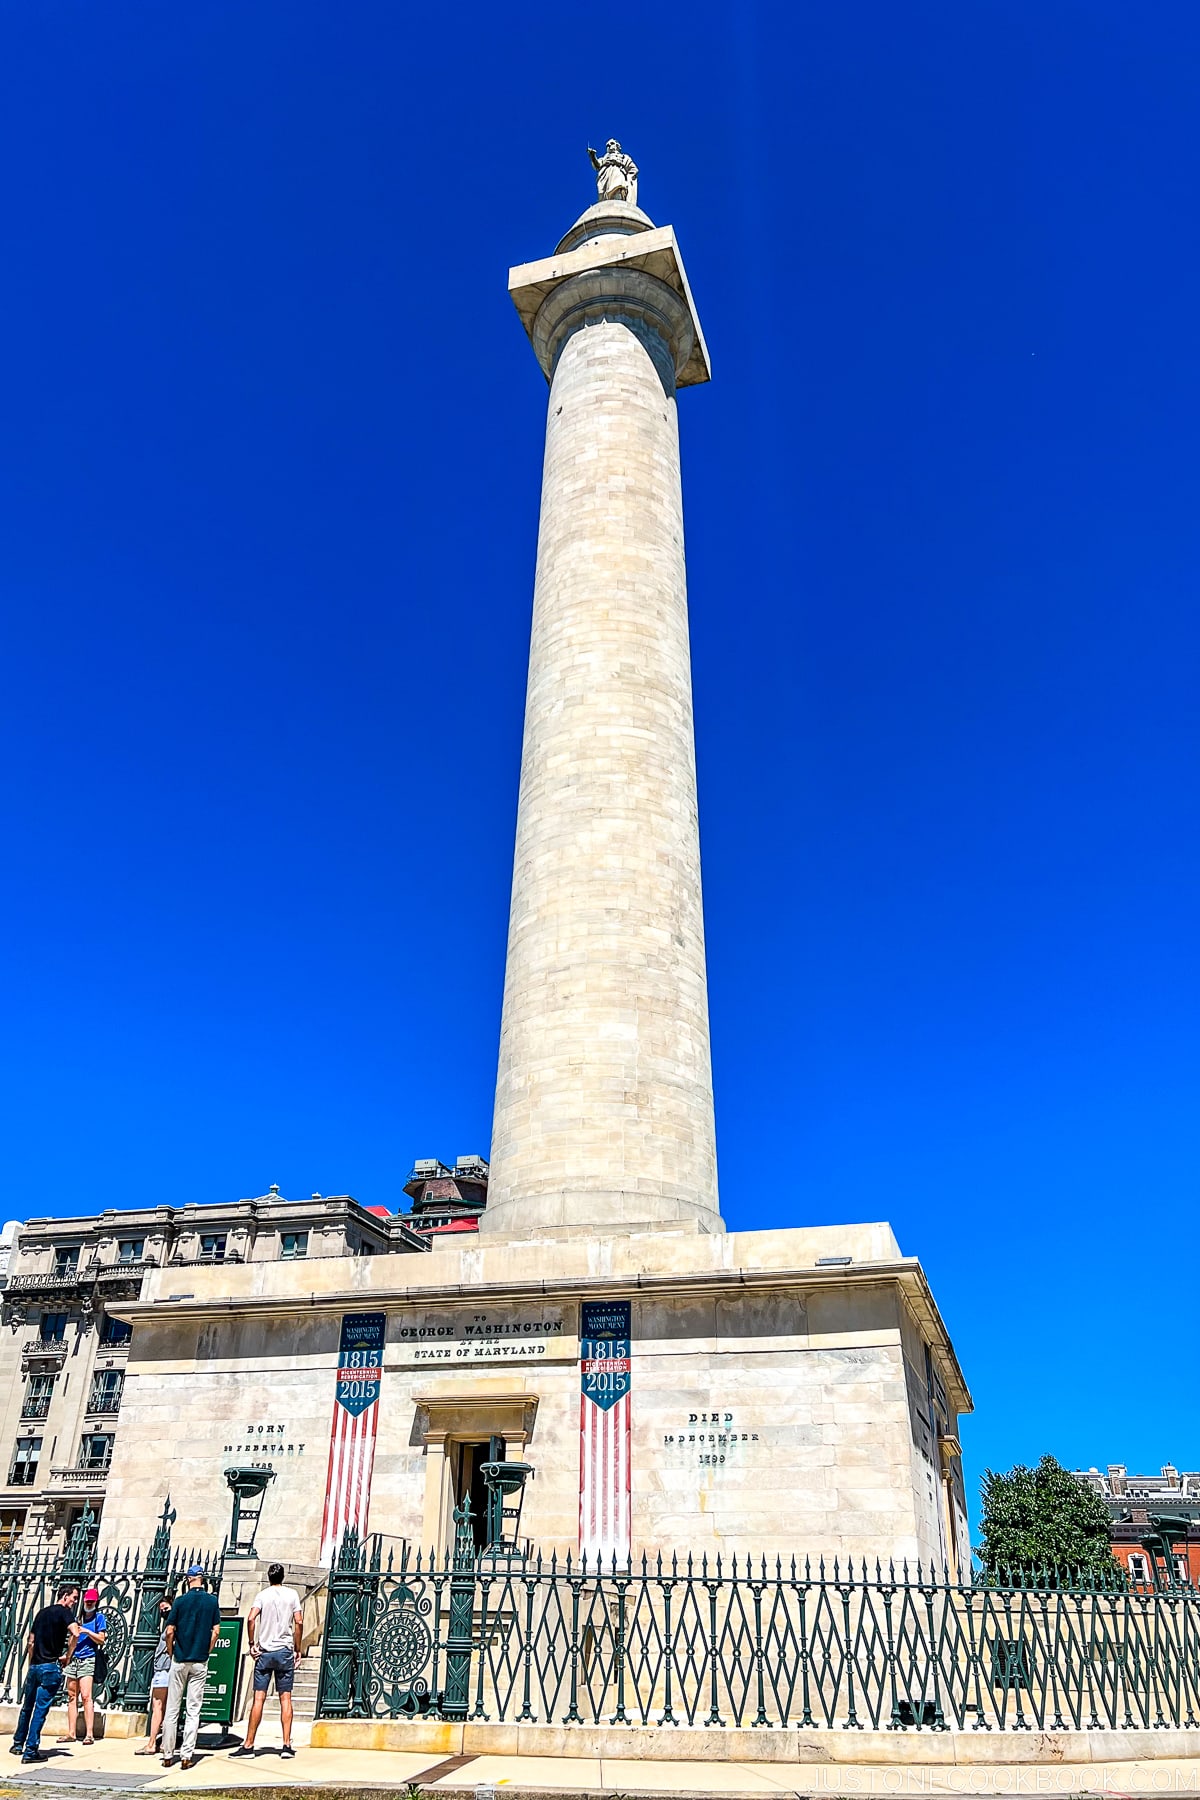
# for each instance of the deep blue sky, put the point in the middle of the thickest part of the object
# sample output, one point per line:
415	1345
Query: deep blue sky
271	453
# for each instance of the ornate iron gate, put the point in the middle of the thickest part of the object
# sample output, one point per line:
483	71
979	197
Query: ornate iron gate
744	1642
130	1589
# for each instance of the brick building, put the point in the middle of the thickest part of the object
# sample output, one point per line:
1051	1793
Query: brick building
1155	1526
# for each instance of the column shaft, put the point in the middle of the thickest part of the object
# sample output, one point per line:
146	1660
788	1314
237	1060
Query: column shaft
604	1111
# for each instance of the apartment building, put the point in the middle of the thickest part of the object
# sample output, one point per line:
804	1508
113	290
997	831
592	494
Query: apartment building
63	1355
1155	1529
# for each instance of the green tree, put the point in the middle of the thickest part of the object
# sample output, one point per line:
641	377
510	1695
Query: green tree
1044	1520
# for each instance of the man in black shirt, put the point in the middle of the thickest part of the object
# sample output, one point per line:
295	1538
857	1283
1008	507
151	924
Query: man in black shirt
51	1640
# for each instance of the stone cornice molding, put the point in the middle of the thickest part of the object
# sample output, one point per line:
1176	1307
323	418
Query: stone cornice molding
905	1274
446	1415
653	253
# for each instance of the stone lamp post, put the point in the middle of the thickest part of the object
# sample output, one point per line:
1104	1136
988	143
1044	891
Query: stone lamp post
249	1487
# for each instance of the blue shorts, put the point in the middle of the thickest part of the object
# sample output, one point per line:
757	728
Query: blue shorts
279	1663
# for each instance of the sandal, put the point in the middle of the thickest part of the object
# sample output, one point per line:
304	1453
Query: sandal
64	1738
149	1750
89	1740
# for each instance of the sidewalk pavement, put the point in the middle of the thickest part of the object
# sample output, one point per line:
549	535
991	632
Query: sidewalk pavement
71	1771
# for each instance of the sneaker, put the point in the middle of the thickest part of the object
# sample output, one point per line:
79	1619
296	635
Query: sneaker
287	1751
35	1756
244	1750
15	1749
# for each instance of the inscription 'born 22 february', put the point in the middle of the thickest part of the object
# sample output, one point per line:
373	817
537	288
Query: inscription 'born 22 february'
460	1337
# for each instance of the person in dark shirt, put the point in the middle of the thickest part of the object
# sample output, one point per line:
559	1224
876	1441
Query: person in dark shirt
51	1640
192	1626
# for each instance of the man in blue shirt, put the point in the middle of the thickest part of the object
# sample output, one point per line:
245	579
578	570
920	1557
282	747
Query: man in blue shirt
192	1626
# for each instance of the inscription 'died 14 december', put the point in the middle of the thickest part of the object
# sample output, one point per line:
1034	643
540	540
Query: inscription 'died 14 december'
458	1337
711	1436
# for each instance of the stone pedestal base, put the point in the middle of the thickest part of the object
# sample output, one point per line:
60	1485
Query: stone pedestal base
883	1750
790	1393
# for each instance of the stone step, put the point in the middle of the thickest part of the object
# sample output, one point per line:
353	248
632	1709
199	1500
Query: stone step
304	1687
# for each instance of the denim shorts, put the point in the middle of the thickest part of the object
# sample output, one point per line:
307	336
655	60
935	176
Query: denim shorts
279	1663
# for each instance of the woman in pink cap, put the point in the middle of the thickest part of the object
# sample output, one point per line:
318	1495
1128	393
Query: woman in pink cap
81	1669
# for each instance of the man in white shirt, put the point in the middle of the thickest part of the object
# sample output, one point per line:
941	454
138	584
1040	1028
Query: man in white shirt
274	1629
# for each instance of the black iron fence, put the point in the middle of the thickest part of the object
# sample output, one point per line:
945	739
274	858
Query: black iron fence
130	1588
746	1642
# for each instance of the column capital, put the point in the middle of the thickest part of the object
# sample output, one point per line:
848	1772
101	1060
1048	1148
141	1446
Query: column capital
640	272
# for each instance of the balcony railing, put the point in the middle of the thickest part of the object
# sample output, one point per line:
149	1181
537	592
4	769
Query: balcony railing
72	1281
101	1406
119	1279
80	1474
35	1406
54	1282
43	1350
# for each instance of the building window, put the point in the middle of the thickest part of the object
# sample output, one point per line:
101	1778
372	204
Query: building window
53	1328
131	1249
12	1526
66	1260
95	1449
115	1331
1181	1571
38	1391
23	1468
105	1396
212	1246
293	1244
1138	1570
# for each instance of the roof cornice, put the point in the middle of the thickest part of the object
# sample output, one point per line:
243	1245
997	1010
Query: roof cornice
905	1273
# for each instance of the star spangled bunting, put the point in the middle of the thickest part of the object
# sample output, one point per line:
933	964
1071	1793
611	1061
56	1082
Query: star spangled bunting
605	1522
355	1424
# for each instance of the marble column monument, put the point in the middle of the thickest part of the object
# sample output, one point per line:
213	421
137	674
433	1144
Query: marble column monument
604	1103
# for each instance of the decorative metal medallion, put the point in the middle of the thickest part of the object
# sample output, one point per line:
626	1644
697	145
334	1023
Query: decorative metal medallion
401	1645
117	1636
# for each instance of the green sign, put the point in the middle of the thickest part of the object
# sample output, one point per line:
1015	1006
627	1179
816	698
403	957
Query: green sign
220	1687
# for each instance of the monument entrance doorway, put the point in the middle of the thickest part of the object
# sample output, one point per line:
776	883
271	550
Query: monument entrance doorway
467	1459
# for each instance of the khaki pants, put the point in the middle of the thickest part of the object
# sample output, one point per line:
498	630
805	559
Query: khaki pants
186	1678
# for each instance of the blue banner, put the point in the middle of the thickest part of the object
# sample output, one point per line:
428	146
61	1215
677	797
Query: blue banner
360	1361
604	1331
